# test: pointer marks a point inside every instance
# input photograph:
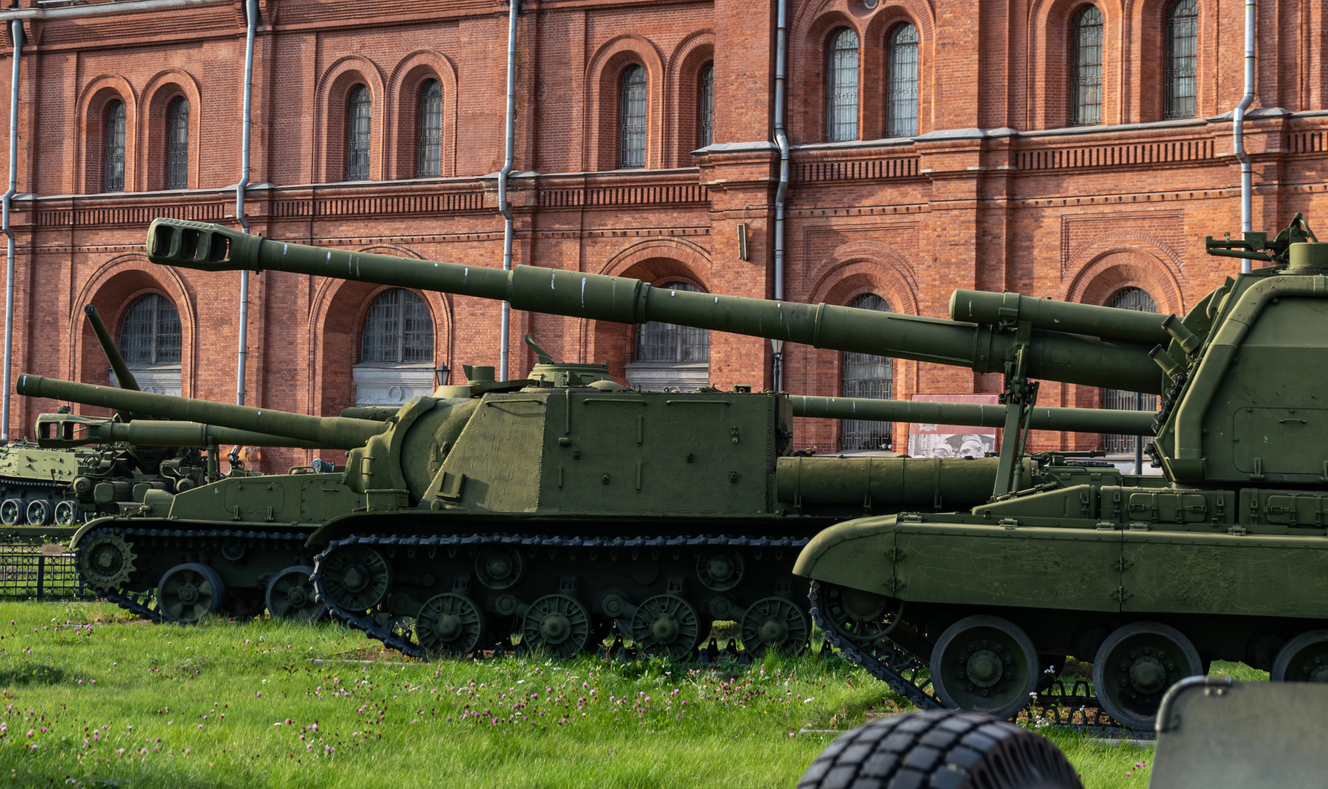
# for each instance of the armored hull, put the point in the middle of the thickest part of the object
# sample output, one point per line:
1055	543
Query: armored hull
1148	579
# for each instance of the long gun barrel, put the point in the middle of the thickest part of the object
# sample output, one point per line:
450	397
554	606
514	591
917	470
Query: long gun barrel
1078	420
63	431
322	432
123	376
1118	363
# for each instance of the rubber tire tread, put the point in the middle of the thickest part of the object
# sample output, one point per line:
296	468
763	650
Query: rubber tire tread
941	749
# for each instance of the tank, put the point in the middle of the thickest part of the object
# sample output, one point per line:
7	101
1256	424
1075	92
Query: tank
39	482
1148	578
506	482
659	495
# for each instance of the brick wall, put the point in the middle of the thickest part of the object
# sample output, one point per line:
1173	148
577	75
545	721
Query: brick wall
995	193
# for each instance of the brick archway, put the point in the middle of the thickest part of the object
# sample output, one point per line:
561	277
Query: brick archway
112	289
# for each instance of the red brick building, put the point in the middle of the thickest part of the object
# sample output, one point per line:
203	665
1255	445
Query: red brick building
1059	148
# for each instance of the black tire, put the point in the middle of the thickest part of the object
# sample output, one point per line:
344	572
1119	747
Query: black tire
941	749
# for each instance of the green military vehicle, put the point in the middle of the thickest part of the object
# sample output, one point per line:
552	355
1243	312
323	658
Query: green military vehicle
555	512
1148	577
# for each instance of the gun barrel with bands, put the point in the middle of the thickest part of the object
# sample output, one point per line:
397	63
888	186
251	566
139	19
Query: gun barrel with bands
1057	355
330	432
1078	420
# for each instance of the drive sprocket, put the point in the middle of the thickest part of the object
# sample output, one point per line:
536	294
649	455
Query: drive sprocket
106	561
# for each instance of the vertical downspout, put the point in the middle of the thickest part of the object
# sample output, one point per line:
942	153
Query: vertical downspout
781	139
503	205
1238	130
17	27
251	20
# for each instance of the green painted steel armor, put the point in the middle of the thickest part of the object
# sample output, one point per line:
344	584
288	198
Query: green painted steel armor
685	508
1149	578
675	503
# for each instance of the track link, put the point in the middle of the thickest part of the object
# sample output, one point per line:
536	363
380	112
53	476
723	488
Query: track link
141	602
888	662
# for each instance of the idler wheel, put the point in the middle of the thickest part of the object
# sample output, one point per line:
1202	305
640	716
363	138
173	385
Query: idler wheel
666	625
106	562
1303	659
984	664
1135	666
355	578
558	623
774	623
449	625
719	569
188	593
498	567
291	597
862	616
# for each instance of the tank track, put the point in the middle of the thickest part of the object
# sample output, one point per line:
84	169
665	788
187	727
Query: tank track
909	675
385	632
140	602
901	670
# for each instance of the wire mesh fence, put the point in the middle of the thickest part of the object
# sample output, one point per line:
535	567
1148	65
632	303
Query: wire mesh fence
39	571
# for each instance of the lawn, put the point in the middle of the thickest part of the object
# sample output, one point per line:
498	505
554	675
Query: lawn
92	699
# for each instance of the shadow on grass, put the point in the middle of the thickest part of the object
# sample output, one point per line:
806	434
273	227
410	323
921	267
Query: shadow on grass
31	673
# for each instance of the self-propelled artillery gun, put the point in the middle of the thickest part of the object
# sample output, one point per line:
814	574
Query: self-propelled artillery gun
555	512
1150	578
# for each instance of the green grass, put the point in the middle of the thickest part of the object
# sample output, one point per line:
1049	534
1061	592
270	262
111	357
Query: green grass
88	698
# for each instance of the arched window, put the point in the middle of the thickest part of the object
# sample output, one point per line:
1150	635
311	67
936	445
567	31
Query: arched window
177	144
113	160
429	131
1182	48
150	342
397	329
841	87
359	109
901	105
671	357
706	107
865	375
1138	300
396	350
632	118
1086	64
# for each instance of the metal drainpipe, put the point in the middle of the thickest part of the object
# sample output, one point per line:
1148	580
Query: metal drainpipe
251	21
99	8
503	205
781	139
16	26
1238	130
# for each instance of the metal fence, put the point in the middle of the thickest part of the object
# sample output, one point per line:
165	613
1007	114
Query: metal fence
39	571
